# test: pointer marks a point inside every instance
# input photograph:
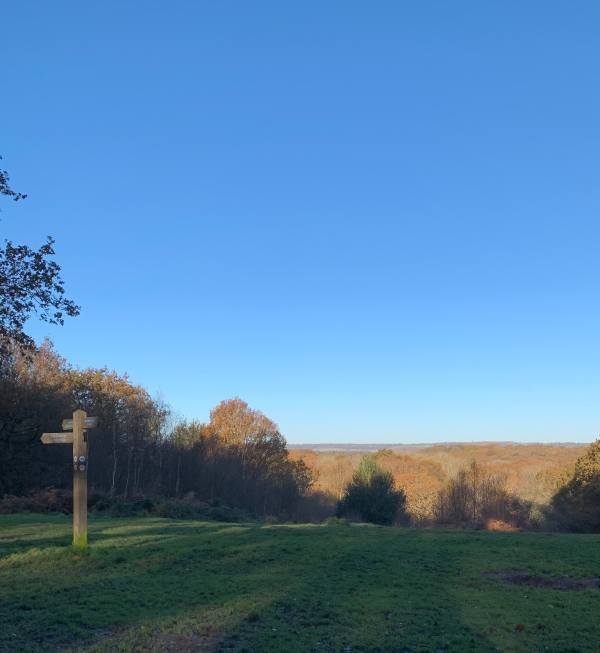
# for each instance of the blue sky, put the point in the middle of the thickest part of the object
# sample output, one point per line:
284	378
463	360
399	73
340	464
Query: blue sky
376	222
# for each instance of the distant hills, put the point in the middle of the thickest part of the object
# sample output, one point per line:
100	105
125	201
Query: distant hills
365	447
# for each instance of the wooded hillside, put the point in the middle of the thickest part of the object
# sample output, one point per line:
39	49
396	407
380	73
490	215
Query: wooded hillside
532	471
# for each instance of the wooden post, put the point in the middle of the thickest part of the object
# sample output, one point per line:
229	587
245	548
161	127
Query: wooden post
80	462
79	424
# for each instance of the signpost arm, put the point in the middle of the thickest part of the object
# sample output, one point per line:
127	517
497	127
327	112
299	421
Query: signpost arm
79	480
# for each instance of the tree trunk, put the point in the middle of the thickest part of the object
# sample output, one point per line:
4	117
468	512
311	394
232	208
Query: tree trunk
114	470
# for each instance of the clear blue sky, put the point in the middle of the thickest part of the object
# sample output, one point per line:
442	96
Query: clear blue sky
373	221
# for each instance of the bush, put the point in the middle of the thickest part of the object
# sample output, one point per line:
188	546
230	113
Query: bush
118	507
228	514
45	500
171	508
56	500
576	505
371	495
337	521
476	497
186	509
314	507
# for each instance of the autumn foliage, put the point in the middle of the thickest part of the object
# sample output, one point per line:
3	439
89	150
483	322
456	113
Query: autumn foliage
239	458
576	504
513	483
475	497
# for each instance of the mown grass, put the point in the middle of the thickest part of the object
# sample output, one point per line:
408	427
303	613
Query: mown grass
164	585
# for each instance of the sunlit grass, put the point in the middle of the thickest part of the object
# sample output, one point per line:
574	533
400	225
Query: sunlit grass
154	584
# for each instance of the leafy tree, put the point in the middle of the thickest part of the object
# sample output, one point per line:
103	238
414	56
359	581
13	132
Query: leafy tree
251	462
234	422
371	495
39	388
30	284
576	504
136	450
5	188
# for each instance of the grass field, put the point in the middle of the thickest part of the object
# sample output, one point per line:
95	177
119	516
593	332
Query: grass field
181	586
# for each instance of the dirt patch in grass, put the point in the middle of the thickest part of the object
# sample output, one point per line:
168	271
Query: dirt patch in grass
181	643
552	582
205	638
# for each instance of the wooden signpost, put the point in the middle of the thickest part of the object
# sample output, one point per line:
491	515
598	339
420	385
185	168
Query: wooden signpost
76	433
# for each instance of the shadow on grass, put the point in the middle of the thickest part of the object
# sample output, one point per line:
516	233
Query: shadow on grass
165	585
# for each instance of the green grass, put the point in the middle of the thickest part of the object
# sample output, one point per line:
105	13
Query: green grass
162	585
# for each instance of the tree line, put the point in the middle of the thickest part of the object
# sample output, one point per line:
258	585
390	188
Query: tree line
238	457
476	497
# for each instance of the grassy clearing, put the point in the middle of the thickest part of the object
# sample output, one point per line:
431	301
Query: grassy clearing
163	585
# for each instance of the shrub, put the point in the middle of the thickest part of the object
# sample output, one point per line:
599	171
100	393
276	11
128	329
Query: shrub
178	509
475	497
314	507
228	514
117	507
171	508
337	521
57	500
45	500
576	504
372	496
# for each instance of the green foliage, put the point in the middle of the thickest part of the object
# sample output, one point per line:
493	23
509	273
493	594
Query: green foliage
119	507
30	285
55	500
371	495
171	508
182	509
5	188
149	585
576	504
337	521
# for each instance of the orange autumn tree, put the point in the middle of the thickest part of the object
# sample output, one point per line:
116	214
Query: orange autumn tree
256	456
234	422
